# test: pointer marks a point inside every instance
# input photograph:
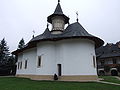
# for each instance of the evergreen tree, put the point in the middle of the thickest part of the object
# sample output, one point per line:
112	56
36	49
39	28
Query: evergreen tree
7	61
4	51
21	44
12	65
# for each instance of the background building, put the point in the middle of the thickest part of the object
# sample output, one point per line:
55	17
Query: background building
108	59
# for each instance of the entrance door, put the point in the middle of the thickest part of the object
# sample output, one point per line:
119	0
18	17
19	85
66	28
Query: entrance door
59	69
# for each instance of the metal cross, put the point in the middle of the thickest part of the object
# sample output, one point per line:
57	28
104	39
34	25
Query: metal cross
58	0
33	33
77	16
47	25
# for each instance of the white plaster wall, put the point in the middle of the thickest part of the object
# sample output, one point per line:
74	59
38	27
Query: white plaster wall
30	56
47	52
75	56
78	57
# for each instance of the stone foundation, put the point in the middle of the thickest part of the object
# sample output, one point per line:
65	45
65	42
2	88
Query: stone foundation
62	78
37	77
79	78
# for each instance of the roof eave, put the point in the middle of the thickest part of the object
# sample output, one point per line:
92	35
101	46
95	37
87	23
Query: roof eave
49	18
98	42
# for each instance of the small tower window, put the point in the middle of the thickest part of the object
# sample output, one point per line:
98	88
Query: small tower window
39	61
58	23
25	64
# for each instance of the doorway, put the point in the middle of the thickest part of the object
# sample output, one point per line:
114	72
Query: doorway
59	70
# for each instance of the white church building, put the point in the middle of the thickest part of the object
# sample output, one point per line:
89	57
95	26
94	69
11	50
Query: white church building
68	52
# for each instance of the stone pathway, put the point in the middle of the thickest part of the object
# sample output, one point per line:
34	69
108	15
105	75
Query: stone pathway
117	77
108	83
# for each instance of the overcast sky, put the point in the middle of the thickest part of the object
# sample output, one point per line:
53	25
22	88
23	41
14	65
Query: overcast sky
18	18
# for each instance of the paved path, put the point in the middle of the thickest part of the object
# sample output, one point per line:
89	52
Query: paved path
108	83
117	77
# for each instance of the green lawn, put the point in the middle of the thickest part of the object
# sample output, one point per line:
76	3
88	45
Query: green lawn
110	79
12	83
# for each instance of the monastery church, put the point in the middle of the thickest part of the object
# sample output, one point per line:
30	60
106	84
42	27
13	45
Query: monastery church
67	52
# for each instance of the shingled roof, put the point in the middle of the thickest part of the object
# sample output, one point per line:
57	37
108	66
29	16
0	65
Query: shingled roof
74	30
109	50
58	12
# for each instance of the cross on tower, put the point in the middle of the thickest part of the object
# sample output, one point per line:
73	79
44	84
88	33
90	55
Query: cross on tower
77	16
58	1
33	33
47	25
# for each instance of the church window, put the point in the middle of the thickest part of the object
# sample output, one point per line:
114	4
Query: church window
20	65
94	61
25	64
39	61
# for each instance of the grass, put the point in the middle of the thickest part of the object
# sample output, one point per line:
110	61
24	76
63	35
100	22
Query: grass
13	83
110	79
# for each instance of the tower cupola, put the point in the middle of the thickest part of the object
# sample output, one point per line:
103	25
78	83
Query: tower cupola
58	20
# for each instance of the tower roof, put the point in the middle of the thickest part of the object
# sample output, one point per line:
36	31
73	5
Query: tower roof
74	30
58	12
58	9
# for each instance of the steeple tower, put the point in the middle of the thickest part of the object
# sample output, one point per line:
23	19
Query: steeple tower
58	20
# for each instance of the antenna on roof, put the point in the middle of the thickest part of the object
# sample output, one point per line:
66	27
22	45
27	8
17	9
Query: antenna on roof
58	1
33	33
77	16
